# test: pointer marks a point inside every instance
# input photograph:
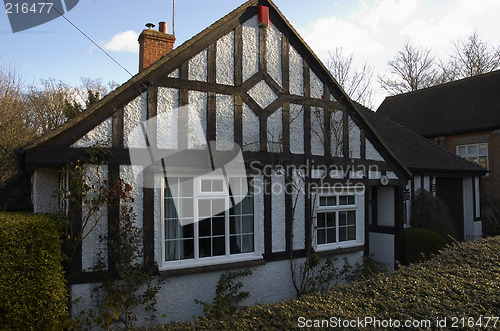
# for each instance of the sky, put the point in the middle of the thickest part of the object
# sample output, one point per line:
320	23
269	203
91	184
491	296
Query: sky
372	30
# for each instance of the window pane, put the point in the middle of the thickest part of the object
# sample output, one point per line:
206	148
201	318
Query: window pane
218	225
351	217
204	228
483	162
172	250
247	224
206	185
351	233
321	220
342	234
235	186
461	151
219	247
218	207
330	221
217	185
235	244
322	201
330	235
187	207
342	218
321	236
204	209
187	231
205	246
187	251
346	200
186	187
234	223
247	243
483	149
472	150
247	205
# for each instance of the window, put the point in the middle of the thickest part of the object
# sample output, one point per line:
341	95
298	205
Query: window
338	218
477	153
204	218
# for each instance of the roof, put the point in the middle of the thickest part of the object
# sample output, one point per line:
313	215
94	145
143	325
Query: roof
467	105
417	153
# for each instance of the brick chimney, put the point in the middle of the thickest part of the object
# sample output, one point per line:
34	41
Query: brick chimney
154	44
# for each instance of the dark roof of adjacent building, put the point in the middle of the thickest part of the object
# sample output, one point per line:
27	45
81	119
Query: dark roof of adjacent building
415	152
466	105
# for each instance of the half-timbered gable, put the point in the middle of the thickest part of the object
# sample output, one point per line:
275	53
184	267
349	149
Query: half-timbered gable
318	172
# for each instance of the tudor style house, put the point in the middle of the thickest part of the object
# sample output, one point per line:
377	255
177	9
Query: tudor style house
320	173
461	116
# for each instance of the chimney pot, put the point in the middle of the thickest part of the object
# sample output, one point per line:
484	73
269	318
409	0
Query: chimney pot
163	27
150	26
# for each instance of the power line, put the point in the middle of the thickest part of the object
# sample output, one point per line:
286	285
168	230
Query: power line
83	33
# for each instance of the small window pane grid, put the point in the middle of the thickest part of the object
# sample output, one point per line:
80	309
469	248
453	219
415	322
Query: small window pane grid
211	229
335	219
477	153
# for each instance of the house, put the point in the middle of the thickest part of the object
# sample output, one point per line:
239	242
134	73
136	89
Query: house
463	117
241	149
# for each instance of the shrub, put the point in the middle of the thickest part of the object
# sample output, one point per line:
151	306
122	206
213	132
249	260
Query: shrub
461	281
33	295
430	212
421	244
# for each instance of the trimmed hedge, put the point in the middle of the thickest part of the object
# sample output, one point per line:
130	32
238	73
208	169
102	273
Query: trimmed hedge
421	244
33	295
463	281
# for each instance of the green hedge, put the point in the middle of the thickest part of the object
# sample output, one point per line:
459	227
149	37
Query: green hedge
33	295
421	244
463	281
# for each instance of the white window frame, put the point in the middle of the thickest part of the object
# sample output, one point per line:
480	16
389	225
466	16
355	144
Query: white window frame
477	155
358	207
214	260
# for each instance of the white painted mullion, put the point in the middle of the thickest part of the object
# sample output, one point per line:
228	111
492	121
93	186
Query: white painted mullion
195	219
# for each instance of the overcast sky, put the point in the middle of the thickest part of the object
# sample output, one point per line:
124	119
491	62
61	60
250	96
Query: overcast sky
372	30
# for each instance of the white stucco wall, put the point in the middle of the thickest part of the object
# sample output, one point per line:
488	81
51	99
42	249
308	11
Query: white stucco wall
198	67
95	223
224	122
296	129
382	248
385	206
317	131
225	60
299	210
275	132
45	184
168	117
251	140
100	135
354	140
273	53
316	86
371	152
336	133
135	113
250	36
197	121
296	72
278	212
133	176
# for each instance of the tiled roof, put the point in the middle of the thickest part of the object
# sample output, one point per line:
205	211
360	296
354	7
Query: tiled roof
415	152
466	105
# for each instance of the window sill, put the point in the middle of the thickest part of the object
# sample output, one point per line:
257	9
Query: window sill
180	270
327	251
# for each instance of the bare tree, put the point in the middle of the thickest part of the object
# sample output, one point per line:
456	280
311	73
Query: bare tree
472	57
13	132
355	82
411	69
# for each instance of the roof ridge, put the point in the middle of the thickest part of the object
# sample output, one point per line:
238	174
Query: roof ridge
445	84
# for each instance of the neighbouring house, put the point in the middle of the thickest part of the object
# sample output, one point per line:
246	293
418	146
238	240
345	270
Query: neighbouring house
463	117
241	149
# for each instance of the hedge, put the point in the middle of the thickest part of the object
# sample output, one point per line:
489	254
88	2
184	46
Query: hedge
33	295
421	244
463	281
